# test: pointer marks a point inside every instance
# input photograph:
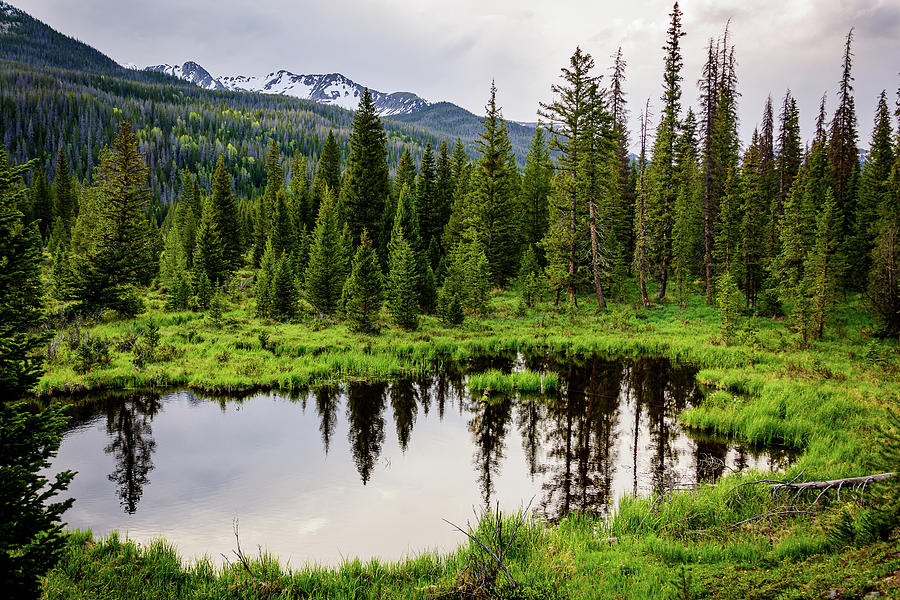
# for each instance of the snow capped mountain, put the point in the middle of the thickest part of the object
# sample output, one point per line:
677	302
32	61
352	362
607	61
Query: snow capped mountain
192	72
332	88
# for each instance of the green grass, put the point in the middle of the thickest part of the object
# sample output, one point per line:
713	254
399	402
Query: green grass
826	401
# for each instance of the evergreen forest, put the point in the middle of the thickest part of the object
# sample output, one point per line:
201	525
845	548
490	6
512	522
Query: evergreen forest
154	234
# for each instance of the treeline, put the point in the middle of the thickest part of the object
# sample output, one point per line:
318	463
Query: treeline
775	229
178	126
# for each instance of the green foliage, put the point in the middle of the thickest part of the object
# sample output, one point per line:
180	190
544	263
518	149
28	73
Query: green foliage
209	251
31	536
89	352
366	182
225	217
531	279
467	277
362	294
20	288
179	292
402	282
116	245
262	287
284	290
492	207
536	184
327	267
730	301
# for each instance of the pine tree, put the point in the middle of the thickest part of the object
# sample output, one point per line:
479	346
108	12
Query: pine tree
687	227
623	218
468	277
843	156
402	282
299	192
366	182
225	217
883	290
661	200
754	208
21	303
65	200
117	243
282	234
712	167
263	287
536	183
460	183
443	194
568	115
823	268
492	207
265	206
362	293
208	252
531	278
326	269
328	171
641	233
40	202
284	294
789	155
873	190
426	197
729	305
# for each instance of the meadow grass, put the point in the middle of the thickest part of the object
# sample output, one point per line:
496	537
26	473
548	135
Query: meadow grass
826	400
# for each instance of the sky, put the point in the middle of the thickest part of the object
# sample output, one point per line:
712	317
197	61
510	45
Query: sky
451	50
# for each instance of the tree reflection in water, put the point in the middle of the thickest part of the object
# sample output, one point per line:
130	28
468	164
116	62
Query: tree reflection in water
403	401
128	424
327	407
488	426
365	403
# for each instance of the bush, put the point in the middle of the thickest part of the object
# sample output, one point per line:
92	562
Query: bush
90	351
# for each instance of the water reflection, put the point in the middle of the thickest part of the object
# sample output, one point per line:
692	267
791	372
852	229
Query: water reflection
352	460
132	445
365	407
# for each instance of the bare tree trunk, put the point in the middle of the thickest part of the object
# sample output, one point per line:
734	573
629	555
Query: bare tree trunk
595	265
642	233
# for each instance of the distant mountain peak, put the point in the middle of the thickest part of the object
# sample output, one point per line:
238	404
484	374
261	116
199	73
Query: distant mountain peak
331	88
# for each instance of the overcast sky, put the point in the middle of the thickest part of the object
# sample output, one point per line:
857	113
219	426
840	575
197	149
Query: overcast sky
451	49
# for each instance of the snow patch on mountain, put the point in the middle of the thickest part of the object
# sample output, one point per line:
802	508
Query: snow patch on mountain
333	88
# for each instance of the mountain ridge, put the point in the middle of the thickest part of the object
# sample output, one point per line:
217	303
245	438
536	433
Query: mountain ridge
327	88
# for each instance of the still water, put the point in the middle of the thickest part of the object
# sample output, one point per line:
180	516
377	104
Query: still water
370	470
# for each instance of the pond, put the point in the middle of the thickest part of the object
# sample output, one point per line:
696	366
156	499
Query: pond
372	469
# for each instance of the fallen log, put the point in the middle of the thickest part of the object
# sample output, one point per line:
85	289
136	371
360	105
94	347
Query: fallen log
822	485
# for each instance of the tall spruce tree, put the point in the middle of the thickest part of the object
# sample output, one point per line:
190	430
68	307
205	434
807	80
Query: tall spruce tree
426	197
843	155
623	221
536	183
754	208
641	233
299	192
712	166
327	268
21	292
873	190
789	154
40	201
661	200
823	268
492	199
328	175
225	216
402	281
263	220
366	184
65	200
687	227
117	245
568	116
209	258
362	294
883	290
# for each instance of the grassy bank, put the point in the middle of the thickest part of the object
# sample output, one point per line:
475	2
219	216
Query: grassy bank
827	400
